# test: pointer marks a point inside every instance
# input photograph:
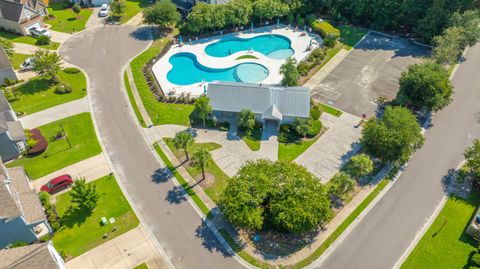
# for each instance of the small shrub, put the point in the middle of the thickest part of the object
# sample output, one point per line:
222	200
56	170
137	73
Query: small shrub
76	8
476	259
310	18
11	95
17	244
315	127
63	88
315	112
10	82
71	70
44	238
318	53
303	68
43	40
325	29
329	42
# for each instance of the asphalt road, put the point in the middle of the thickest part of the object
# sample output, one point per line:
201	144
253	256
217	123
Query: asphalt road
386	231
102	53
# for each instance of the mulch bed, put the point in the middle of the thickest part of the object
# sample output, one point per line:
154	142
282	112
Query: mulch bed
41	145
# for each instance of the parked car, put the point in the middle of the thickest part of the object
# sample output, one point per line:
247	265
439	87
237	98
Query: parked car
57	184
103	11
28	64
34	31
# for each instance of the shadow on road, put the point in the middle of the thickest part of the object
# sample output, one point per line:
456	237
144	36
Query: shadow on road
209	241
176	195
161	175
142	33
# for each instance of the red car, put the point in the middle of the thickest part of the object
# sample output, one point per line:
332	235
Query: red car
57	184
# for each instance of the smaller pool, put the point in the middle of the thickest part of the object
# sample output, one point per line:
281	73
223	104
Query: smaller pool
187	70
270	45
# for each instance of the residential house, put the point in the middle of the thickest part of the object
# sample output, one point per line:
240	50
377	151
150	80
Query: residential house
6	69
12	135
279	105
21	214
42	256
19	18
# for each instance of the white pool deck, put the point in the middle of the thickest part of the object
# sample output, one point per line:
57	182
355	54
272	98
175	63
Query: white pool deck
300	41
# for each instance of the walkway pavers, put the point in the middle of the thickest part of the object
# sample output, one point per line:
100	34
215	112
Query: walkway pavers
55	113
123	252
334	148
90	169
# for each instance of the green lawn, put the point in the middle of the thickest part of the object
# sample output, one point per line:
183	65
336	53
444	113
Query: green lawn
159	112
253	140
133	8
81	134
17	59
27	40
132	100
220	177
445	245
38	94
141	266
290	151
183	182
330	110
81	231
350	35
65	19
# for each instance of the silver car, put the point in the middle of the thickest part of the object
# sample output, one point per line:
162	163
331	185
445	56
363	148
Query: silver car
34	31
103	11
28	64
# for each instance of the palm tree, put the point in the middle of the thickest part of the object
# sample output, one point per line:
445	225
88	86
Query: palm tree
201	158
183	140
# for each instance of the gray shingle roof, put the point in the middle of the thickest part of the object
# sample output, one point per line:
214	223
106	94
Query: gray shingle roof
4	61
4	105
272	102
11	11
28	257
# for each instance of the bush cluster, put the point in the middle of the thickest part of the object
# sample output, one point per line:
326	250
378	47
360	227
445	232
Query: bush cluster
11	95
49	210
63	88
325	29
43	40
71	70
315	58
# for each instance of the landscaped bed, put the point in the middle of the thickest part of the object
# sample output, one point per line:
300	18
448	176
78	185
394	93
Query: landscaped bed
445	244
65	19
38	94
82	231
59	154
27	40
215	180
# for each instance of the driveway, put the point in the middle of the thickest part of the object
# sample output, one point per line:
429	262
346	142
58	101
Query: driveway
369	71
173	221
387	230
95	20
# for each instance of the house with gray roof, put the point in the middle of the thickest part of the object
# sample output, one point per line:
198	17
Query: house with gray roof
41	255
18	17
12	135
21	214
6	68
269	103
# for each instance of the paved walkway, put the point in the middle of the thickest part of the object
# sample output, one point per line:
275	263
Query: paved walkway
59	37
269	143
91	169
326	69
136	20
123	252
25	75
24	48
55	113
334	148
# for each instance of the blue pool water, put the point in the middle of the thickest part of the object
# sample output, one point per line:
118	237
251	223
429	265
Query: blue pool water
270	45
187	70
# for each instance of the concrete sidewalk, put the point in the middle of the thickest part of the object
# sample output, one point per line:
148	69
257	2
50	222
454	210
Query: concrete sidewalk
123	252
92	169
55	113
326	69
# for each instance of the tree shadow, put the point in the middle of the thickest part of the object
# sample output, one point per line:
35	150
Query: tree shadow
143	33
176	195
447	180
161	175
35	86
209	241
75	216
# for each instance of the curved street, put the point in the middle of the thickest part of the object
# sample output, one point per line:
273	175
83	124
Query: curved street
387	230
103	53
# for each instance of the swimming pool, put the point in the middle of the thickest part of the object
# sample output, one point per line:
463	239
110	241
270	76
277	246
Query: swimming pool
187	70
270	45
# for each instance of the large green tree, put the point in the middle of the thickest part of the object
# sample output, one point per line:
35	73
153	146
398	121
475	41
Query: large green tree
340	184
84	195
269	9
279	195
183	140
301	126
472	156
393	137
201	159
203	109
164	13
426	86
246	120
47	64
360	165
290	72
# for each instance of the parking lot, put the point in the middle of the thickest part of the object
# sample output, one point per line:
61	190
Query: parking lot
370	70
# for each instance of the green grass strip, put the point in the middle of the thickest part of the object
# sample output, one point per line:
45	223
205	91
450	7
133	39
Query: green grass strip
183	182
132	100
342	226
330	110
